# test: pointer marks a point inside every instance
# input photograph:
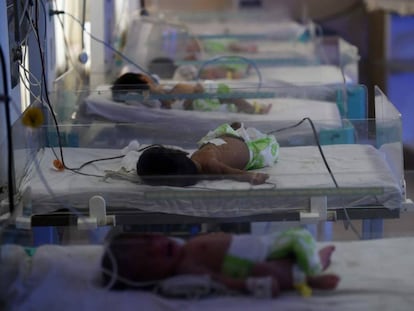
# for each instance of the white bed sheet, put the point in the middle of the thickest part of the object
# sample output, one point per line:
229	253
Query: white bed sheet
297	168
375	275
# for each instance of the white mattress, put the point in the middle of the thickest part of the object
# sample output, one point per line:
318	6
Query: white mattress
375	275
297	168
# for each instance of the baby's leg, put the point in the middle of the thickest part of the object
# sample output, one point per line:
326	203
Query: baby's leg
325	281
325	256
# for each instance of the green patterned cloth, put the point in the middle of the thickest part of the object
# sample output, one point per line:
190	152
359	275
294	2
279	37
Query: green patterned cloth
294	243
299	243
214	104
236	267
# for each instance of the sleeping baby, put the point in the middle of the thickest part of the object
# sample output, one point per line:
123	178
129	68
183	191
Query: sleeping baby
229	151
141	83
259	265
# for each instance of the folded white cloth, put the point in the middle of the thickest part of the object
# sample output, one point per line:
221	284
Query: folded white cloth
134	145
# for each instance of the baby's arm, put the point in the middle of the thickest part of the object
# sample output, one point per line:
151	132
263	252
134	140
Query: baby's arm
189	267
216	167
263	287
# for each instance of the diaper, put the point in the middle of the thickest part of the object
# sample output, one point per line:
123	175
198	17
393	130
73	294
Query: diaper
245	250
214	104
299	243
263	149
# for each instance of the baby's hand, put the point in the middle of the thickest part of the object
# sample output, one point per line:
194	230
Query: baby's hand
258	178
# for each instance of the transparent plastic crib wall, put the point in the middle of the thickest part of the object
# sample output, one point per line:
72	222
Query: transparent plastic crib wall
382	132
350	101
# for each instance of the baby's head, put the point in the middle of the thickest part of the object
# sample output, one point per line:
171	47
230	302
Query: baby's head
131	82
139	257
166	166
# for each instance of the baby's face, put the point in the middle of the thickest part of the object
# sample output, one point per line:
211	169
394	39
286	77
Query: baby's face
162	257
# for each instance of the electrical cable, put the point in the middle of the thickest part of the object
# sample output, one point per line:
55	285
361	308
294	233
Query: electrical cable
10	161
114	277
16	11
35	27
75	170
45	84
57	127
83	56
315	135
83	24
52	12
312	125
73	210
248	61
48	102
67	51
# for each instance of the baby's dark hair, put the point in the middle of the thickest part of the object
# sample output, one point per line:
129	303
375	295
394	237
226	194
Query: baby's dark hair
129	82
166	166
121	251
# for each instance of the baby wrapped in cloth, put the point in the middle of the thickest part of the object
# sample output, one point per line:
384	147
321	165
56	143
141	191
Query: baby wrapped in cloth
263	149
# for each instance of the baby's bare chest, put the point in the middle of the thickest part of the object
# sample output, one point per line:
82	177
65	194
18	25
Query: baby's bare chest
207	254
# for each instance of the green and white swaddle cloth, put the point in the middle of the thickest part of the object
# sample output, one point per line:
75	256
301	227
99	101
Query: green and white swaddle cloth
263	148
245	250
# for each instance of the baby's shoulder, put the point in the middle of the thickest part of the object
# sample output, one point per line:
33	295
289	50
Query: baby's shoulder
209	242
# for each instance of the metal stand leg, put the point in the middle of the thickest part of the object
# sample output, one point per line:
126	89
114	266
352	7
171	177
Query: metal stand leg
45	235
372	229
325	231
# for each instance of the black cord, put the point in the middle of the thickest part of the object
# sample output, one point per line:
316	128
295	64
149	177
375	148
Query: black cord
120	54
97	160
48	102
83	23
9	132
75	170
315	135
46	92
110	158
17	31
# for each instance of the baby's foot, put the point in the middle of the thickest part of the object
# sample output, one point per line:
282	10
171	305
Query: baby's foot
325	256
325	281
265	109
258	178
